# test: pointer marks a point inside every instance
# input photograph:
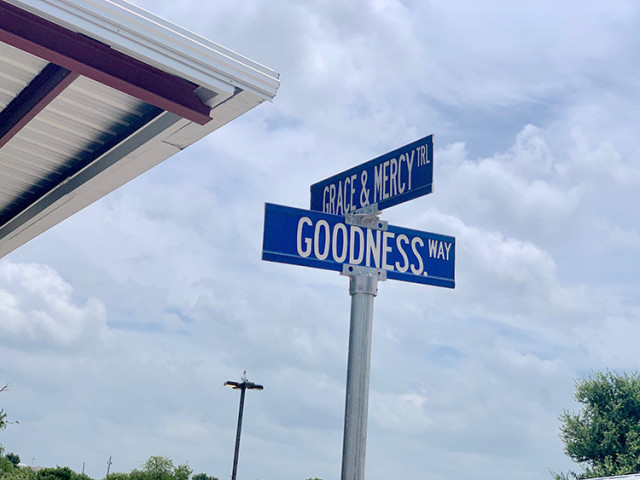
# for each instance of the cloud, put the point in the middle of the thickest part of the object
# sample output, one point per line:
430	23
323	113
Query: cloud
519	191
37	305
618	237
597	160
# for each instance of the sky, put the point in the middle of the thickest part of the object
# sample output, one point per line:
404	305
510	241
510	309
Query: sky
120	325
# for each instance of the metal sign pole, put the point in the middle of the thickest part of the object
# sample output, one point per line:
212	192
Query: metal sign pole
363	287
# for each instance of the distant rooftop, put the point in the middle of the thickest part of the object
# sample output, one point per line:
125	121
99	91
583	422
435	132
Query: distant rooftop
34	468
625	477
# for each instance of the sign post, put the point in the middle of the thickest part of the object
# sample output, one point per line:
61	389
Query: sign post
343	232
363	287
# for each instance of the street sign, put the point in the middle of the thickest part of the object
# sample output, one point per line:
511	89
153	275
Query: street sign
388	180
321	240
342	232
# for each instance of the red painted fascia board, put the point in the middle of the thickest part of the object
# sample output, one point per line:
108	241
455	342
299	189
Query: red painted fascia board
95	60
46	86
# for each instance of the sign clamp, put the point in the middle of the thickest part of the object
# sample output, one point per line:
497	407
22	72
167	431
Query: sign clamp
358	270
368	217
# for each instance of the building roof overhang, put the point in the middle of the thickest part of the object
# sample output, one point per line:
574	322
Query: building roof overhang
94	93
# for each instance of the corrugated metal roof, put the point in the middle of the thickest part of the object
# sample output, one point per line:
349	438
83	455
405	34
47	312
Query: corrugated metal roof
84	119
17	69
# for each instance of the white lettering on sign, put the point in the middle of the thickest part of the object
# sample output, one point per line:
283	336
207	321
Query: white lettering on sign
439	249
386	249
367	247
340	229
388	176
386	180
423	155
338	198
402	238
321	225
417	270
373	249
306	251
353	259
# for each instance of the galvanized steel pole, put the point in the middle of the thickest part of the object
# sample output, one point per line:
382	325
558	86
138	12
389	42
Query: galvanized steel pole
363	287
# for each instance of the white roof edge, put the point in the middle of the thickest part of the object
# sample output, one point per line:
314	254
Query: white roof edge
159	43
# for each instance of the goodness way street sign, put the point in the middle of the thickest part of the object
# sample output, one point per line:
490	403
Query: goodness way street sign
320	240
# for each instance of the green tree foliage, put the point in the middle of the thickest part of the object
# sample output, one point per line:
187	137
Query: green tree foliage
6	466
60	473
161	468
13	458
119	476
82	476
19	474
3	415
203	476
604	436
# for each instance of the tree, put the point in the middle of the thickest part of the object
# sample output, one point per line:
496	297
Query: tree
119	476
6	466
3	415
161	468
604	436
19	474
60	473
203	476
13	458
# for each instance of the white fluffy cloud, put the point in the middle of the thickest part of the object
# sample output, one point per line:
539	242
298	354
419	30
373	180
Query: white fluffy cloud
37	306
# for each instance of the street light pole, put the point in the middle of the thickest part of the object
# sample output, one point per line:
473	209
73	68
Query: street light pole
238	430
242	386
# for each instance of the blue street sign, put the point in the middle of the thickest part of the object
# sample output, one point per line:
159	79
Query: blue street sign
320	240
388	180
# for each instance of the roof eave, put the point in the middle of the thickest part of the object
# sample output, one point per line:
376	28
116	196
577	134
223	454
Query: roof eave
159	43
